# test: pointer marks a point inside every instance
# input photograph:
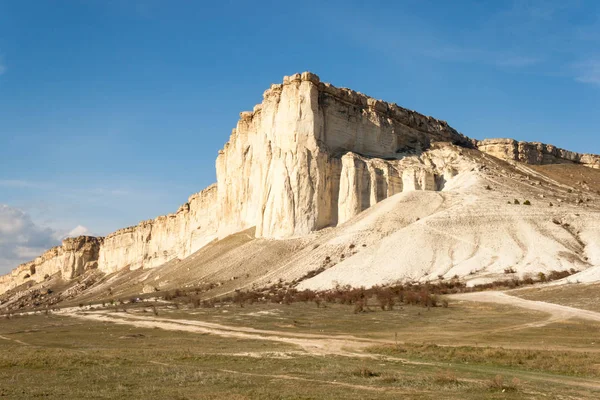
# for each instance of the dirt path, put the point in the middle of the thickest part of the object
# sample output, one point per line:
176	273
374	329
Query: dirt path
322	345
14	340
557	312
312	344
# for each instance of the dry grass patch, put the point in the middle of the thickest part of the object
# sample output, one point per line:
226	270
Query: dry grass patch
560	362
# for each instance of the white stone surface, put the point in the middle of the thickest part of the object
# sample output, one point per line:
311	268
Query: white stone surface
309	156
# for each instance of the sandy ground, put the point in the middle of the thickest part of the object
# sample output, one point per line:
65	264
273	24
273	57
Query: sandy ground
310	343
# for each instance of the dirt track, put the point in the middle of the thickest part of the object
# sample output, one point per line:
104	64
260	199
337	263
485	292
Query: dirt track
557	312
312	344
349	346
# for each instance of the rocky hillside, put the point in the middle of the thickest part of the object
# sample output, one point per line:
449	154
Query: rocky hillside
535	153
309	160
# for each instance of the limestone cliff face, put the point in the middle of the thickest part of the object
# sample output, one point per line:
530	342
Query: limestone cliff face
535	153
70	259
283	169
309	156
154	242
365	182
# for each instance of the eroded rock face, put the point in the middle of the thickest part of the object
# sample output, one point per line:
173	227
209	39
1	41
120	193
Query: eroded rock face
70	259
309	156
367	181
154	242
535	153
284	170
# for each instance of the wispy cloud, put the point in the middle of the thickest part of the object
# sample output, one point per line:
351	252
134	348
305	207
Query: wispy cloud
37	185
588	72
23	184
516	61
534	36
498	58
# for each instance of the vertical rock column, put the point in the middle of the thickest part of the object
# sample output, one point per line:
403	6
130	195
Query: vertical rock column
364	183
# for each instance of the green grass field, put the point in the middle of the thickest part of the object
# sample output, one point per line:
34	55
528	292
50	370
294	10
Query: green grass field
467	351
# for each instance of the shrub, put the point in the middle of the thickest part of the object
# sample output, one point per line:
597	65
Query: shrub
365	373
358	308
445	378
195	302
208	303
542	277
527	203
516	202
497	383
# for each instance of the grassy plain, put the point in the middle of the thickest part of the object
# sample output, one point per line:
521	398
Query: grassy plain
274	351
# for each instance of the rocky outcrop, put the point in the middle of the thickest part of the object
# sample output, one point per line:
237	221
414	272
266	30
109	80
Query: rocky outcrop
154	242
535	153
70	260
283	166
308	157
365	182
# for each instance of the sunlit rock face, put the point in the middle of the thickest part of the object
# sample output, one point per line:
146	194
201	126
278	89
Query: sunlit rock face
309	156
535	153
284	170
154	242
70	259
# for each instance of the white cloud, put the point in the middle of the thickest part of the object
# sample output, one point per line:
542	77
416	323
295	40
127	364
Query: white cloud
79	230
20	238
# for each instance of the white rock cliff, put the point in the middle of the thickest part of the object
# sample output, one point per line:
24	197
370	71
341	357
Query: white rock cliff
308	157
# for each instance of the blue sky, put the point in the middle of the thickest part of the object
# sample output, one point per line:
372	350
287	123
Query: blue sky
112	112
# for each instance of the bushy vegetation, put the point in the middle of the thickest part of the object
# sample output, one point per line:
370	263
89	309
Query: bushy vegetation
384	297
